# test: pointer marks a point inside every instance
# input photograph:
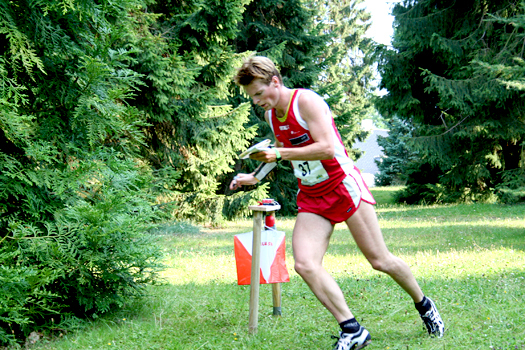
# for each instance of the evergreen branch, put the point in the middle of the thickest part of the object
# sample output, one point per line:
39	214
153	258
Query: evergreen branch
161	205
225	114
42	110
422	4
449	130
34	237
446	132
504	49
168	31
443	119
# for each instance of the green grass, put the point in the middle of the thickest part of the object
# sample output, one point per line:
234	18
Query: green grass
385	195
469	258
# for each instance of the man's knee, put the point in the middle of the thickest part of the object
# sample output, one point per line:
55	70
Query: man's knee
383	264
305	268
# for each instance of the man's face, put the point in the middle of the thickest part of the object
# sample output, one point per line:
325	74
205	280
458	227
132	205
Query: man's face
262	94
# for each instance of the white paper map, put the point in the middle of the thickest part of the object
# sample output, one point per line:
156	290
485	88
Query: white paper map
261	146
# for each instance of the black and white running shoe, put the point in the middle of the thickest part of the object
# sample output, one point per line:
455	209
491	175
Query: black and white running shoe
433	321
352	341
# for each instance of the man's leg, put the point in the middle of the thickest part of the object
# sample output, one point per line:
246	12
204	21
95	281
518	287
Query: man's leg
365	229
311	236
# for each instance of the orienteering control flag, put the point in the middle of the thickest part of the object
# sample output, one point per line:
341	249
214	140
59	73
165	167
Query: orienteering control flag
273	264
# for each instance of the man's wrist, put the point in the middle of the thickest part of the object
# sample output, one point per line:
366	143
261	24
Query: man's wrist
277	155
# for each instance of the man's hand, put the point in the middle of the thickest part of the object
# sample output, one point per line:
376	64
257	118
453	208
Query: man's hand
243	179
265	156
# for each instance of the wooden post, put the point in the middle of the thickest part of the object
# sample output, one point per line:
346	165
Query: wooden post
276	295
256	262
255	273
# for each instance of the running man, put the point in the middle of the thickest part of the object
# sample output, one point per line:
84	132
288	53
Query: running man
331	190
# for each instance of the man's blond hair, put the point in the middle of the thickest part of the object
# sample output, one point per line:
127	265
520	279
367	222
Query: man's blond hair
257	67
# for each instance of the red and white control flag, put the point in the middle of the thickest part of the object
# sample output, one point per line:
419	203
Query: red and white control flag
273	262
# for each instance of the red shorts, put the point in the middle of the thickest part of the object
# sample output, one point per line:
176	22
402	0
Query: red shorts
341	203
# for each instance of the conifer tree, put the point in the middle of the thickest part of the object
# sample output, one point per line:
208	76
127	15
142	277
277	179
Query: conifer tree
506	68
193	128
284	30
347	60
397	154
469	122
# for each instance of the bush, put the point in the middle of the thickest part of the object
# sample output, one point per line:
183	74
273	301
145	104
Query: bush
92	254
75	199
511	190
422	185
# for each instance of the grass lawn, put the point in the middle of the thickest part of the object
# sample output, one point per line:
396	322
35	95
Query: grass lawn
469	258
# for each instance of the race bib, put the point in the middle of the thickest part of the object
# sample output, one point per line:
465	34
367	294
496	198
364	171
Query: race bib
310	172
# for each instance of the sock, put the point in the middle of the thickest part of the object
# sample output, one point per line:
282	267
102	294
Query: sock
423	306
350	326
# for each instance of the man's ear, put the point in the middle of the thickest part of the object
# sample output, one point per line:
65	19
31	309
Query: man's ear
275	81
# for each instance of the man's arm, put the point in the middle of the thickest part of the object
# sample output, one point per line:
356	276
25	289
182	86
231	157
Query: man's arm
251	179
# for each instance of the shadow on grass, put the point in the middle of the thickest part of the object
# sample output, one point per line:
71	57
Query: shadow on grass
409	240
440	237
455	211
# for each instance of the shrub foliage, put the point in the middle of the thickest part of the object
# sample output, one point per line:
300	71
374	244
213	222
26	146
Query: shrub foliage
75	201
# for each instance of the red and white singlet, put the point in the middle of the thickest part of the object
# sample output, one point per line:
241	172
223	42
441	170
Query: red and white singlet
316	177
